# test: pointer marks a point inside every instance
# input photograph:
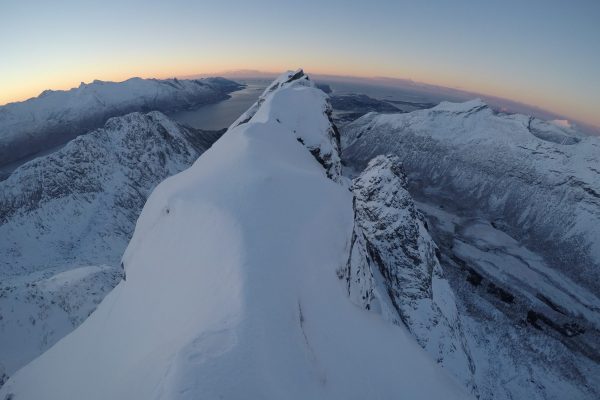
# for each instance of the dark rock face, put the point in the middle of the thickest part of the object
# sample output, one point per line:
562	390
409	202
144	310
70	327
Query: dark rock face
66	218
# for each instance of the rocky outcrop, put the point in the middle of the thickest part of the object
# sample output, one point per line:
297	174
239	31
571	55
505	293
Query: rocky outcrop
393	268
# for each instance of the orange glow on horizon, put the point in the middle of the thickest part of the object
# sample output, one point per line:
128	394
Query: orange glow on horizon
16	90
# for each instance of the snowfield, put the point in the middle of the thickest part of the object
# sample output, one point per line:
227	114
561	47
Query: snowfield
231	286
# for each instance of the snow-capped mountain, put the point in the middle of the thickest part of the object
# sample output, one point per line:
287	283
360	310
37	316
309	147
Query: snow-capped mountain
233	286
66	218
541	180
55	117
513	204
263	272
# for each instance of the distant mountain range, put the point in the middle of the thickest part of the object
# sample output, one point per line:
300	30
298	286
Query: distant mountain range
54	117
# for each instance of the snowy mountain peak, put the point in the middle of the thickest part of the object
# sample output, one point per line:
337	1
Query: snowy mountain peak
465	107
319	135
231	287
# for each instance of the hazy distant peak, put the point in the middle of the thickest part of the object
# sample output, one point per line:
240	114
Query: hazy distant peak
465	107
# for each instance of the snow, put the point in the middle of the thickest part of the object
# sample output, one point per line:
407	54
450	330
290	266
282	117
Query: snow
232	292
65	220
471	105
563	123
289	102
55	117
542	179
406	271
38	309
499	255
71	276
514	206
513	359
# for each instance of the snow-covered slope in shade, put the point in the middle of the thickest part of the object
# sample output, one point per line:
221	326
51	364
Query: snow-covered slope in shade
542	180
54	117
400	276
514	206
66	218
231	287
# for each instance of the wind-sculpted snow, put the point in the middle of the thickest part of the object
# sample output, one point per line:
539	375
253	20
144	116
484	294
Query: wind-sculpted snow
292	106
402	277
55	117
231	287
70	214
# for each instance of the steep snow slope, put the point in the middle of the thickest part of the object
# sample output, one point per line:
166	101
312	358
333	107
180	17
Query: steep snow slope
325	148
231	287
514	206
55	117
66	218
402	276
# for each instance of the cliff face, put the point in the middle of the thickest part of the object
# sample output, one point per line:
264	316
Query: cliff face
393	267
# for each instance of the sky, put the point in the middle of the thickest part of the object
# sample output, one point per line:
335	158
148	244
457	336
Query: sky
544	53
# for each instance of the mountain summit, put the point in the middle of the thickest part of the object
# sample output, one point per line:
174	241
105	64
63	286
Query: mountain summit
232	286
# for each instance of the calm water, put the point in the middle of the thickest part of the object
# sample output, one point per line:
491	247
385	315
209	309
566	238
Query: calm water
222	114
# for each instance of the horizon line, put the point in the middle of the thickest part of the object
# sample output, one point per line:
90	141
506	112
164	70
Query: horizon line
257	73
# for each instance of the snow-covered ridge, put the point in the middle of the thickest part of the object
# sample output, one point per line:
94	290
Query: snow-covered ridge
55	117
74	211
325	148
514	205
231	287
